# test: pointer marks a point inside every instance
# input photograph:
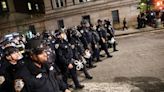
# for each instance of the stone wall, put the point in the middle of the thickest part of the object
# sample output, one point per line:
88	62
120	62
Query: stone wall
72	15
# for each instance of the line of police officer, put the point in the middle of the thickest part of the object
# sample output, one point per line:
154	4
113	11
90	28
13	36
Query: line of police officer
49	61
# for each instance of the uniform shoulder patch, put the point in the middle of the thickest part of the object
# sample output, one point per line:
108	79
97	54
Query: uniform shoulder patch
39	76
2	79
18	85
72	46
66	47
51	68
56	46
82	31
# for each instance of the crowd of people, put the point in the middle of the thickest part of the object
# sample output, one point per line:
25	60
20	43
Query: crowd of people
150	18
44	62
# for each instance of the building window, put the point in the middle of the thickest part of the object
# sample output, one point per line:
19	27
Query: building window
52	4
57	3
80	0
60	23
84	0
32	29
73	2
65	2
61	3
29	6
115	16
4	5
86	17
37	7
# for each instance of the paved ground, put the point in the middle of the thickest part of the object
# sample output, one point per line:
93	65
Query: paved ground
138	66
132	30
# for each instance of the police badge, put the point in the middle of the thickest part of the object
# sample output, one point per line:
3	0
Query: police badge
82	31
18	85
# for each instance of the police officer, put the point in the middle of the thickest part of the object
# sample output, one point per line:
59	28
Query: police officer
103	37
11	65
111	34
38	76
87	35
64	60
51	57
85	31
83	38
77	46
95	43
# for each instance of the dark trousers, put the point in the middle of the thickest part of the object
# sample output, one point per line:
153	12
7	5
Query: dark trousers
85	71
105	48
114	46
73	74
89	61
125	27
96	53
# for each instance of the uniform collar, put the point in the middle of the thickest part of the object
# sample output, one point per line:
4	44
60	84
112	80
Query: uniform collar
34	69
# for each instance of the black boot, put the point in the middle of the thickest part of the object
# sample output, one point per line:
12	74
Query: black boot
92	66
109	56
89	77
79	87
98	60
90	63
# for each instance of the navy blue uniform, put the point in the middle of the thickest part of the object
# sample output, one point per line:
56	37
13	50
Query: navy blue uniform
95	45
103	35
10	71
52	60
64	58
110	31
41	79
77	55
